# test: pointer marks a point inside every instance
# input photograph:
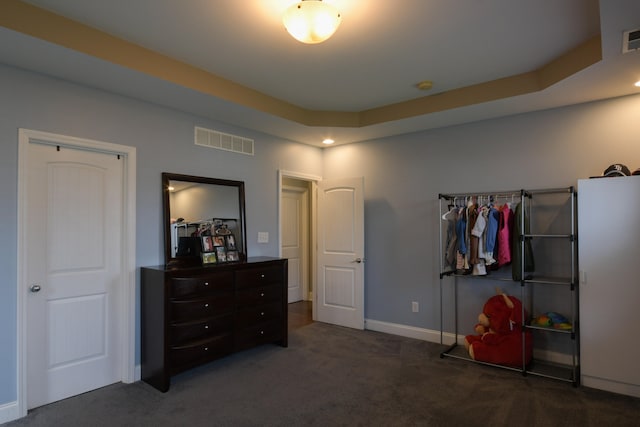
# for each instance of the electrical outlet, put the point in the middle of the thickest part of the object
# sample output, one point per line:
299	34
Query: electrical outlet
415	307
263	237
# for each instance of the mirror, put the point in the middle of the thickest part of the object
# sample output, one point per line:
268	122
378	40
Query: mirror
204	220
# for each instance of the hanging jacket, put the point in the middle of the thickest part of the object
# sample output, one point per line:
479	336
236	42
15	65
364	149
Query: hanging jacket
451	241
505	226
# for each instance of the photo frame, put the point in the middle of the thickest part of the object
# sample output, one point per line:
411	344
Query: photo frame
233	256
209	258
230	242
218	241
207	244
221	253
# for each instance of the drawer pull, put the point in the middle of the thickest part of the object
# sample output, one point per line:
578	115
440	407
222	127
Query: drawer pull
261	294
206	283
206	326
206	305
261	332
262	313
206	349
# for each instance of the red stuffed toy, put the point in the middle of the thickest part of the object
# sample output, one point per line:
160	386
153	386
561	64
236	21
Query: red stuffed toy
499	339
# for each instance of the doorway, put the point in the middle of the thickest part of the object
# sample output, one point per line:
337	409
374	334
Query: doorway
297	236
76	266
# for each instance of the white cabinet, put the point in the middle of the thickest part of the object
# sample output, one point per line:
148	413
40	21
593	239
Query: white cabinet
609	255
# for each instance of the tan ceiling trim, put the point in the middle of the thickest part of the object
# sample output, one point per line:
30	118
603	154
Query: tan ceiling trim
40	23
585	55
566	65
37	22
470	95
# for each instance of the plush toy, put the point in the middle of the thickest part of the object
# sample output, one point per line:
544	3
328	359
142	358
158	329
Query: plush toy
499	333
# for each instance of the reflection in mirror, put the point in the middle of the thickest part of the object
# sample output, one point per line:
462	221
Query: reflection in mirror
204	220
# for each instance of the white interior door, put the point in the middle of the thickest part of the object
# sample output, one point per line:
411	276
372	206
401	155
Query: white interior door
340	293
74	212
295	228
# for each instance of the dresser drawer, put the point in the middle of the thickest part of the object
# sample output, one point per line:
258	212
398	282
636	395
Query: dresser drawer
181	333
187	356
258	296
200	308
261	333
180	287
251	277
257	314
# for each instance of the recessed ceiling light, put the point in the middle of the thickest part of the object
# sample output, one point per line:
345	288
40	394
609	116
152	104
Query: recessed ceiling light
328	141
637	83
425	85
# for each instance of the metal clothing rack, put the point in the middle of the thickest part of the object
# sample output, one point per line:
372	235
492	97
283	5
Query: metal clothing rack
568	370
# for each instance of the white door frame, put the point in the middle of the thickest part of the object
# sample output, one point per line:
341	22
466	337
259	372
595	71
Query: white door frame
313	180
127	305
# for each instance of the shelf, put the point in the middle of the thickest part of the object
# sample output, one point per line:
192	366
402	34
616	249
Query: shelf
459	352
554	371
549	236
549	280
481	277
550	329
507	277
540	368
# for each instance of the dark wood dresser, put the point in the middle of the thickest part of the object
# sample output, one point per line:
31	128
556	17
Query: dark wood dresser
191	316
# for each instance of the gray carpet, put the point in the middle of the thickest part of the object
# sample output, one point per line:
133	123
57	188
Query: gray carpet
332	376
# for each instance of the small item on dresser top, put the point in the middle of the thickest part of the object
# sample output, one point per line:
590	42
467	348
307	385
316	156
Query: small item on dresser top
617	169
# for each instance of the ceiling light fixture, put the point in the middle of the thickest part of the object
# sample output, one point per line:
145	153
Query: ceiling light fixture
311	21
637	83
328	141
425	85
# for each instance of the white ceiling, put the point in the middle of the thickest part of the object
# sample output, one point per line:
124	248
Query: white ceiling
379	53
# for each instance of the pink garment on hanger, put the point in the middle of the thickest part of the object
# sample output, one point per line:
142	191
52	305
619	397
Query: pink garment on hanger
505	228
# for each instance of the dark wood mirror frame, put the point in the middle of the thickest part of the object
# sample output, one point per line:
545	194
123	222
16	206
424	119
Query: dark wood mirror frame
241	238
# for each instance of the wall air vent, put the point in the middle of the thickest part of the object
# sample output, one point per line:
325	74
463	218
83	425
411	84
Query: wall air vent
631	40
223	141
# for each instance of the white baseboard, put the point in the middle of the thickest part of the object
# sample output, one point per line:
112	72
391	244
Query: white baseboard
9	412
612	386
137	373
408	331
448	338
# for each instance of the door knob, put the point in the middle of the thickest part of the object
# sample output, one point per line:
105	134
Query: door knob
35	288
358	260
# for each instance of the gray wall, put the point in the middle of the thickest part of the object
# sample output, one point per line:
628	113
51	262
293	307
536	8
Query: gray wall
164	141
404	175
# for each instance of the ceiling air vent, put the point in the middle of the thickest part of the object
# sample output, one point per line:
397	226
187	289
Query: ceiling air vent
631	40
223	141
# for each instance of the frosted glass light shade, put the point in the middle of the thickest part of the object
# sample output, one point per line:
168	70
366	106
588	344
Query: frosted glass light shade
311	21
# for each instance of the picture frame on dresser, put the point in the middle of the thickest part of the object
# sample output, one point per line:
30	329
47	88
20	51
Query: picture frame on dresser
230	242
221	253
207	244
209	258
232	256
